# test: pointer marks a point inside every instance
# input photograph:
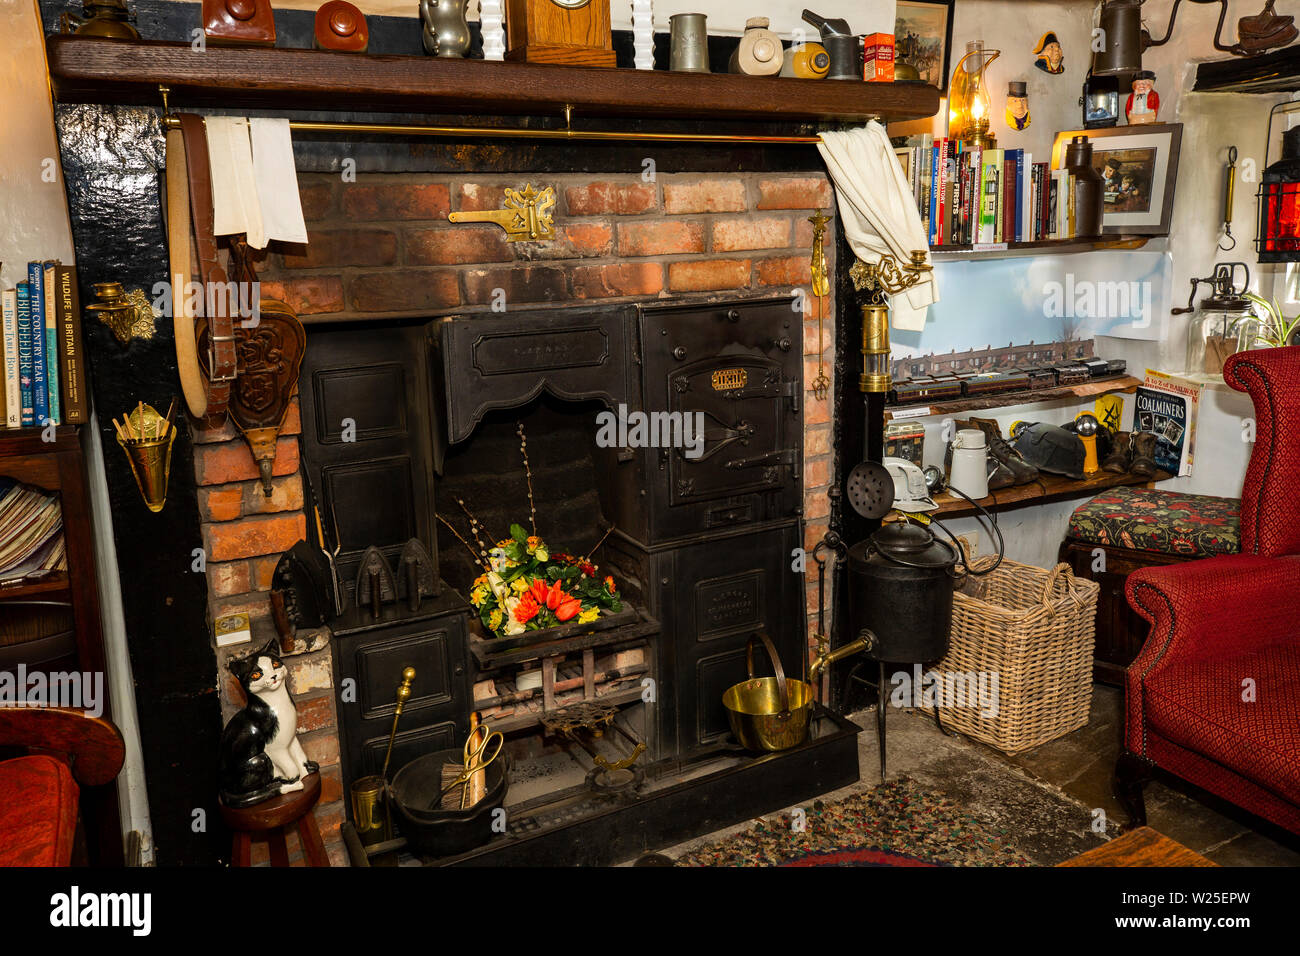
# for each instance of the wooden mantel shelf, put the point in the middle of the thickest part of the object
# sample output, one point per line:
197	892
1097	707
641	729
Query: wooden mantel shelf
91	70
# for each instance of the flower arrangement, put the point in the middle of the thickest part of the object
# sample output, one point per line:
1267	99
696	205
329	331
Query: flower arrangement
527	587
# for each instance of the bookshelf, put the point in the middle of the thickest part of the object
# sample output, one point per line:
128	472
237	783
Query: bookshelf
1041	247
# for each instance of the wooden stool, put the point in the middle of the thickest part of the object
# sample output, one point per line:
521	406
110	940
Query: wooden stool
273	818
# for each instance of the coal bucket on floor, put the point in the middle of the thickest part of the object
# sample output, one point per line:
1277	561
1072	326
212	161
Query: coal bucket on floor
418	786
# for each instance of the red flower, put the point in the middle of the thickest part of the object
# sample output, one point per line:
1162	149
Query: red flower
568	609
588	569
527	608
538	590
609	583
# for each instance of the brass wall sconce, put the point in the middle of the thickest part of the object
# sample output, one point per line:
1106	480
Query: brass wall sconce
146	436
881	280
526	216
128	314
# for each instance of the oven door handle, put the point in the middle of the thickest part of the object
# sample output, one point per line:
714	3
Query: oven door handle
785	456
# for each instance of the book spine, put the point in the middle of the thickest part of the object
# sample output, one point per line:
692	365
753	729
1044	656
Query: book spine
1006	200
40	395
52	343
935	166
72	359
24	312
1022	194
13	397
989	199
1071	224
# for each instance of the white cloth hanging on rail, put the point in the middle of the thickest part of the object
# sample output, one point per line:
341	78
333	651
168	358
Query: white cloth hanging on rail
254	183
879	213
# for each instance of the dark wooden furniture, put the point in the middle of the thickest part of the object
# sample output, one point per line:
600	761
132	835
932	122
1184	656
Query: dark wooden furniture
1140	847
272	820
1120	630
1043	489
60	466
91	70
38	793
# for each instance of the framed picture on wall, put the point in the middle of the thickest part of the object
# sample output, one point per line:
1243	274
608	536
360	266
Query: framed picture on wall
923	38
1139	168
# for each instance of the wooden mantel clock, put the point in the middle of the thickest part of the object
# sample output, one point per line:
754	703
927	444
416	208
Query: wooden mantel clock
574	32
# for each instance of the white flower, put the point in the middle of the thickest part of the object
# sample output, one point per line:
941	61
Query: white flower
498	586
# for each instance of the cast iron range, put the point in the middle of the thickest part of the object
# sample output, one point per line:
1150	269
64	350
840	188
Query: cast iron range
700	544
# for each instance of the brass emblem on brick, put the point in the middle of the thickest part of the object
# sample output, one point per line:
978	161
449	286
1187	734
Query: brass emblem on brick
725	379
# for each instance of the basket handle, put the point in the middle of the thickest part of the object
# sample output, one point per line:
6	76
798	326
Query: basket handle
1053	576
777	669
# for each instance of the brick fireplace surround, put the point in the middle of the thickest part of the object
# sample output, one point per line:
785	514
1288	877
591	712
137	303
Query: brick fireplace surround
381	248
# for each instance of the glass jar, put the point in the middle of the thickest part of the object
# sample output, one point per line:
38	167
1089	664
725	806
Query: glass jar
1223	324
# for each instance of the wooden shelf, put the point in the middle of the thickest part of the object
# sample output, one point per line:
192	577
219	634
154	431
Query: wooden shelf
93	70
1040	247
53	586
1045	489
1105	386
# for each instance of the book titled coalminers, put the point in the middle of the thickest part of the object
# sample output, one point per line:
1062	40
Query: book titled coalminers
1166	405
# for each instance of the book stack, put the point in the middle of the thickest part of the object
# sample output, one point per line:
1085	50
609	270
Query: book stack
43	361
978	197
31	534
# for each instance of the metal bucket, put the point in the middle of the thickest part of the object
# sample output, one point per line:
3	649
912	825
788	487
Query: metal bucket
768	713
415	788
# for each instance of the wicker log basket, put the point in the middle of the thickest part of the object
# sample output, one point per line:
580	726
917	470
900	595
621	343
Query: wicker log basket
1034	629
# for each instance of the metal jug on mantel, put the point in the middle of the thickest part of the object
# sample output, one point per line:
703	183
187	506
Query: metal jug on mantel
446	31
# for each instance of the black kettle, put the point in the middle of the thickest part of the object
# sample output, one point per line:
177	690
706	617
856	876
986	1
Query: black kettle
900	584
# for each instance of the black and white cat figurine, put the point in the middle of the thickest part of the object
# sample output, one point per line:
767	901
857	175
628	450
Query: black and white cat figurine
260	753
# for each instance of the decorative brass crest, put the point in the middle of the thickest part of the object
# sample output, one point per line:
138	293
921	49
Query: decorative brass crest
128	314
526	216
725	379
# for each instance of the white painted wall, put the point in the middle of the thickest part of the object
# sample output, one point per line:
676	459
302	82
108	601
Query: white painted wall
1211	123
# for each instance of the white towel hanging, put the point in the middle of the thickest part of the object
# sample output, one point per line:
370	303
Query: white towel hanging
879	212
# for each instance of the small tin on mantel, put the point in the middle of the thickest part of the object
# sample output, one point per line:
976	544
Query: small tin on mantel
689	43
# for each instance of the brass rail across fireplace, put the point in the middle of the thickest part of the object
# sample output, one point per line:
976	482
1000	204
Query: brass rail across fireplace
515	132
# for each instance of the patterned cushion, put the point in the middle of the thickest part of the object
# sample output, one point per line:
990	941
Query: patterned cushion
1166	522
1199	705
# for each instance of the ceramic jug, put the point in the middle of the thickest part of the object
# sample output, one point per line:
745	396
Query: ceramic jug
446	31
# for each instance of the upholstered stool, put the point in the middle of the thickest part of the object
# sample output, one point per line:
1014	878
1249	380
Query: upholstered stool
273	818
1140	528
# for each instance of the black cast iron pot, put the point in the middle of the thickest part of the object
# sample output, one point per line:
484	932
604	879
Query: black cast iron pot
901	581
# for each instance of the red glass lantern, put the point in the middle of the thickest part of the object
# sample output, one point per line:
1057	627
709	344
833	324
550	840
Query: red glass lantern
1278	239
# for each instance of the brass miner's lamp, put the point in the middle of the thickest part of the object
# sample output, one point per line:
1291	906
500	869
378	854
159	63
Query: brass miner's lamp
883	279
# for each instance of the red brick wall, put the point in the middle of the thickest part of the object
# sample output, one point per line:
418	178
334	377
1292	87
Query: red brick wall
381	247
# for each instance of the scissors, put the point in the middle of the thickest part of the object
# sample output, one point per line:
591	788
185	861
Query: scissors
473	761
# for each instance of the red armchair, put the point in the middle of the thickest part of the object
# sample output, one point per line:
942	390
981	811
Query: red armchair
1214	695
39	792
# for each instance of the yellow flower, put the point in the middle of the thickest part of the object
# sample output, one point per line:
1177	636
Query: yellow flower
495	619
519	585
479	595
589	615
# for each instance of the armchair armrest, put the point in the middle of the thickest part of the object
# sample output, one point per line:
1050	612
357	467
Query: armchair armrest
1206	608
92	746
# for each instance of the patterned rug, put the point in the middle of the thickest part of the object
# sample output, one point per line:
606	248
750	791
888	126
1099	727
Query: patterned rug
899	823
